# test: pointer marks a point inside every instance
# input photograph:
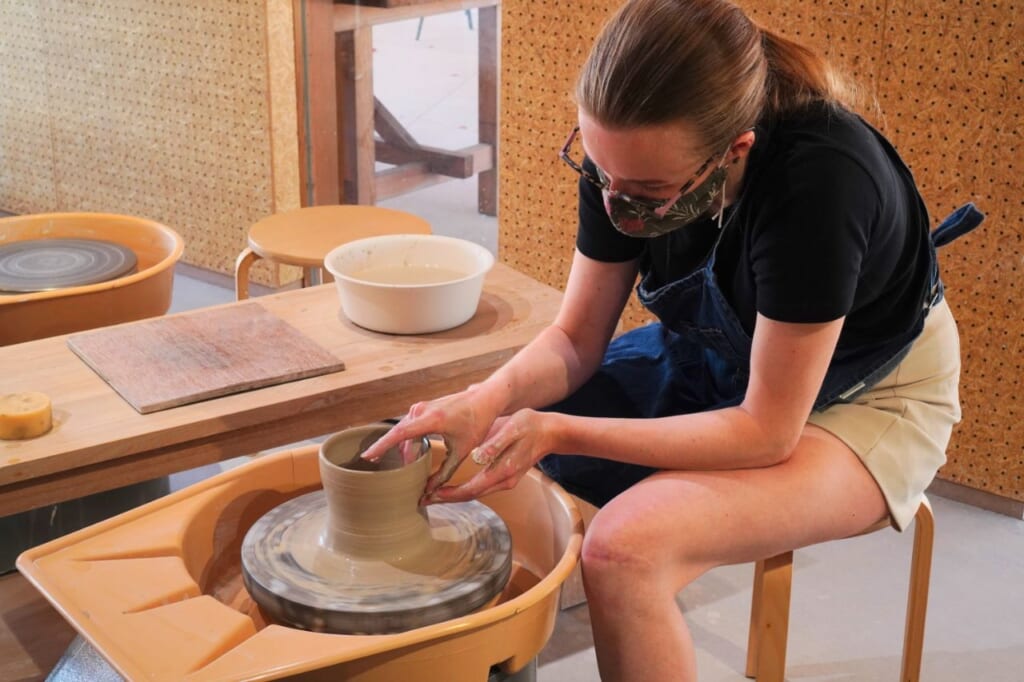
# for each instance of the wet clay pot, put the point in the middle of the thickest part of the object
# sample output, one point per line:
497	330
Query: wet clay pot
373	508
362	557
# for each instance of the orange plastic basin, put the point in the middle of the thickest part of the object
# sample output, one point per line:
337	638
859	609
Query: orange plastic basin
144	293
158	590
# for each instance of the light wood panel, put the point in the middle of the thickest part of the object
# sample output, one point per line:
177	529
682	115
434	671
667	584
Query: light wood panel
100	442
942	78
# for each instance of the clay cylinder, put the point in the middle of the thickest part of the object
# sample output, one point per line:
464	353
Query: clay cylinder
373	507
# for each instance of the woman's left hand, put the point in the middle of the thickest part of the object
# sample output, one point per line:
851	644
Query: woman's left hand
512	446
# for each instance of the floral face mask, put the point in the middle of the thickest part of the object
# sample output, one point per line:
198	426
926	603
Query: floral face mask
639	217
650	218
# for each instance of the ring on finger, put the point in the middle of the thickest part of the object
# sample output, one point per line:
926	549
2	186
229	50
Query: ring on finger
481	457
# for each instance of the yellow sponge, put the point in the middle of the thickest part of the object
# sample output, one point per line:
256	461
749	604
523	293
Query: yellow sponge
25	415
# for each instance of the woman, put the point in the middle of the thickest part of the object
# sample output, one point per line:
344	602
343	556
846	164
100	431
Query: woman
801	382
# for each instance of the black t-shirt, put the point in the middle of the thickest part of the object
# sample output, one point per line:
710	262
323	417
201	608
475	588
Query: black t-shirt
828	223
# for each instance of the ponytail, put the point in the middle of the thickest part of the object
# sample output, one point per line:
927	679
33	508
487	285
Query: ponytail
798	77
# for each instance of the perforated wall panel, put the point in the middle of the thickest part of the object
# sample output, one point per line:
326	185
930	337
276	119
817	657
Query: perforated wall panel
942	78
160	109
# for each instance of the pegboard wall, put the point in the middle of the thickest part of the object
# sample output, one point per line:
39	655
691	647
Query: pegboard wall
182	111
943	79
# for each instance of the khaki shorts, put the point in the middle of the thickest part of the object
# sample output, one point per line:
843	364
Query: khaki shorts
900	427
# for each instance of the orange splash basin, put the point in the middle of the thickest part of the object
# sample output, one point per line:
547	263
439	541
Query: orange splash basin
158	590
143	293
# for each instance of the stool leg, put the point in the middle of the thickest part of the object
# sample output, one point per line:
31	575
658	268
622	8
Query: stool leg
242	265
769	618
917	601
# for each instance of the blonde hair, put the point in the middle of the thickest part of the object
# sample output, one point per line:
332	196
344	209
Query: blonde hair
704	61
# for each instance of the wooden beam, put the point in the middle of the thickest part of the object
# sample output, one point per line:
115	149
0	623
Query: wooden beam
488	94
354	70
389	127
406	178
317	102
459	163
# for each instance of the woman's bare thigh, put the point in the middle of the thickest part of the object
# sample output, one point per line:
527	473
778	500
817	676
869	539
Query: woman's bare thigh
696	520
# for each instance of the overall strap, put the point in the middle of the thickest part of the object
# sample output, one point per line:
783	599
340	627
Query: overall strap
958	223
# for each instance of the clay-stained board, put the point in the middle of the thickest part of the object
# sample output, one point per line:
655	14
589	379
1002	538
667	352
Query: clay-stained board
165	362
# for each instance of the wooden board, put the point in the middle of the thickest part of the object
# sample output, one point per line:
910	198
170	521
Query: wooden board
170	361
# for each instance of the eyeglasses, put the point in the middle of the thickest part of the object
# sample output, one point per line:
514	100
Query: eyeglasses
658	207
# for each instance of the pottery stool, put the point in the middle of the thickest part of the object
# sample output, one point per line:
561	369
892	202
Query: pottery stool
769	612
303	237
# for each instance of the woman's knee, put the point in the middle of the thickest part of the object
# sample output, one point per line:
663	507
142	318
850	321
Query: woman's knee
631	539
623	545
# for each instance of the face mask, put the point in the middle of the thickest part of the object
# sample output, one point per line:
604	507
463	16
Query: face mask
647	218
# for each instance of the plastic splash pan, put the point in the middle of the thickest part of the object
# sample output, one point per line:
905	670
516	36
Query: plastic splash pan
141	294
158	590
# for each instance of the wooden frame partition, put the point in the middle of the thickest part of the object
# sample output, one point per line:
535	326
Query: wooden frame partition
345	129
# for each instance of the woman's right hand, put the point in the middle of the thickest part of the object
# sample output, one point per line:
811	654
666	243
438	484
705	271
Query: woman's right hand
461	419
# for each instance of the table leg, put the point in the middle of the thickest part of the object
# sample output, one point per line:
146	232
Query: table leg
354	71
488	94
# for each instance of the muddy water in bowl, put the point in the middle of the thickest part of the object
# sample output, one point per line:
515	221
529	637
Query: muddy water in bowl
409	284
408	274
362	557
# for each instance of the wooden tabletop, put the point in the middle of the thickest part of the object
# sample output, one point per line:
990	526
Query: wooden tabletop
100	442
348	17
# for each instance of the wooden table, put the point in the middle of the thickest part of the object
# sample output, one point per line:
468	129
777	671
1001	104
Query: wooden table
339	114
100	442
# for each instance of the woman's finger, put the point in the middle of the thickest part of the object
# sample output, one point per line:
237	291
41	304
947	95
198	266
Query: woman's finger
451	462
475	488
408	428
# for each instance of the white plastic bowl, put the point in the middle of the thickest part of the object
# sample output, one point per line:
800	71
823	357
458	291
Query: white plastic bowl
409	283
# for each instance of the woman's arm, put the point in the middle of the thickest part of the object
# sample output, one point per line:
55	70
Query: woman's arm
547	369
787	367
568	352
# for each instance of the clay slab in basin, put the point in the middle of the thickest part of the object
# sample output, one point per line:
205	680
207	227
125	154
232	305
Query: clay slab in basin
146	292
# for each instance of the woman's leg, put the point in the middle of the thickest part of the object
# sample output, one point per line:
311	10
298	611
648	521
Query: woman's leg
661	534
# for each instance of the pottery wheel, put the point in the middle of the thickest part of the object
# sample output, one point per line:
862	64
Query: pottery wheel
294	578
47	264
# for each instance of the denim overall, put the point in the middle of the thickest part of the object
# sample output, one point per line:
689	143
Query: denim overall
697	358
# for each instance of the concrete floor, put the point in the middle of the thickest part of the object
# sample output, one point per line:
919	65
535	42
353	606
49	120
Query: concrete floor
849	597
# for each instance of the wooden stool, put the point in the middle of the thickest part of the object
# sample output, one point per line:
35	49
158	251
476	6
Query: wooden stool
304	236
769	612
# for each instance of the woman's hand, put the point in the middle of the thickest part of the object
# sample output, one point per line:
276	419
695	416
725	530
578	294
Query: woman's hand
513	445
461	419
